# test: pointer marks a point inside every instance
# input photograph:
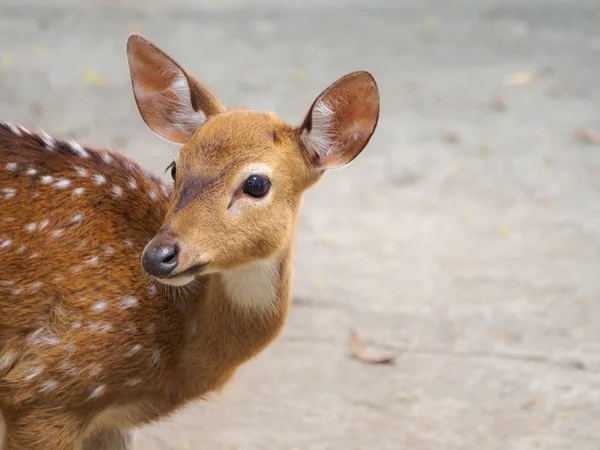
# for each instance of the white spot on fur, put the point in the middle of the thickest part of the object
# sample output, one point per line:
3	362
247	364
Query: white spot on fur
108	251
151	328
132	183
81	171
62	183
68	368
36	286
57	233
252	285
92	260
46	179
156	357
97	392
21	249
12	128
106	157
31	172
9	192
77	149
43	224
17	291
43	336
129	302
99	179
49	385
135	349
153	195
5	243
70	348
31	227
76	269
7	359
95	370
58	278
8	219
76	325
133	382
127	243
34	373
117	191
49	142
100	306
130	328
151	291
12	167
7	283
320	138
34	255
78	191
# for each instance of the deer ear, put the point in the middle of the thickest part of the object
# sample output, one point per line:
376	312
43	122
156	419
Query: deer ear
341	121
172	103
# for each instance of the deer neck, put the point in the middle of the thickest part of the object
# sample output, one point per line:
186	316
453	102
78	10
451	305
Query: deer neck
237	313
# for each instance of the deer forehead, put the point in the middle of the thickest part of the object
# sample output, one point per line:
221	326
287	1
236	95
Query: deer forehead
235	136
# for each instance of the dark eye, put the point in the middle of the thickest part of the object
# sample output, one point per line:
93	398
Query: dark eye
257	186
173	168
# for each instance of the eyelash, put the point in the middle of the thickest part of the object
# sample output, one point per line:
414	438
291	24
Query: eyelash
173	168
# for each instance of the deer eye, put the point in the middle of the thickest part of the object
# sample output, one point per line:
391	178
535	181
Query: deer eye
257	186
173	168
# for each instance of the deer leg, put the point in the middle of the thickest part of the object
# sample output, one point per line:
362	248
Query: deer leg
109	439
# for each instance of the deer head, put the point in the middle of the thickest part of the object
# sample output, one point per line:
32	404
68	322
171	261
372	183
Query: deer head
240	175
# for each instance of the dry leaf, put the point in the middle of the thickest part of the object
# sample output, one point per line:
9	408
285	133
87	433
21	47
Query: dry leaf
95	78
518	78
370	355
586	135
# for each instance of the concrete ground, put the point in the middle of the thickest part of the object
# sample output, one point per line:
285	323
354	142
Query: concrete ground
468	232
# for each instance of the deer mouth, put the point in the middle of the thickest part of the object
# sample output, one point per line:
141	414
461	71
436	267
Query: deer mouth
184	277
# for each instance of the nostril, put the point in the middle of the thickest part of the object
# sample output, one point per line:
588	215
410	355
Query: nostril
166	255
169	254
169	258
160	261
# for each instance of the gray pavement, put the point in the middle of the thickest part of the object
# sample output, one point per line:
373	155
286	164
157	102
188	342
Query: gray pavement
468	232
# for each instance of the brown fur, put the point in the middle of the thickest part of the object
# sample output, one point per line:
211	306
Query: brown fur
91	345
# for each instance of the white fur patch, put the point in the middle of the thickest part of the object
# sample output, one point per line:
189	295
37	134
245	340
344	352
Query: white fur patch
320	137
185	120
252	285
177	281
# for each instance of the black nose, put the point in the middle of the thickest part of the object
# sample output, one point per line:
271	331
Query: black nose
160	260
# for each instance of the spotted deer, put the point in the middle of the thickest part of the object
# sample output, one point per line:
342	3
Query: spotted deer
123	298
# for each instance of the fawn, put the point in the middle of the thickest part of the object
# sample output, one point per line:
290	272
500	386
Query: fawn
123	299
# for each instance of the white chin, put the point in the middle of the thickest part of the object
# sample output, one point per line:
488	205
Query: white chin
177	281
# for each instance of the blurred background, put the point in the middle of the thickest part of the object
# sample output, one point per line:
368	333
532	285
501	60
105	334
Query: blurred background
465	240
